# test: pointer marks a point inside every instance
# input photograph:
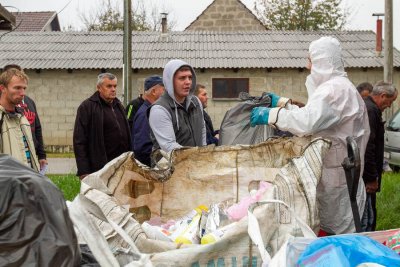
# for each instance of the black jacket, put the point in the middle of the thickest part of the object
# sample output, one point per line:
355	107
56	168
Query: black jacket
374	152
132	108
89	144
211	139
31	114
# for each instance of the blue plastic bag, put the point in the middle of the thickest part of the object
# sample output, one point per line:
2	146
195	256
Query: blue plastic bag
347	251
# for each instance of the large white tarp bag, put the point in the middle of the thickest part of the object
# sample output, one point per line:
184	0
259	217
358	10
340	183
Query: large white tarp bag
128	193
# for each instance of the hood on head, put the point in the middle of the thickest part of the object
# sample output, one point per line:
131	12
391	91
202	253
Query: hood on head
168	77
326	58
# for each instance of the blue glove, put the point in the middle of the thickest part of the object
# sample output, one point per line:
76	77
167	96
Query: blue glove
274	99
259	115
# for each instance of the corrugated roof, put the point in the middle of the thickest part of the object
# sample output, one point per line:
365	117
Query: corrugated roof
95	50
34	21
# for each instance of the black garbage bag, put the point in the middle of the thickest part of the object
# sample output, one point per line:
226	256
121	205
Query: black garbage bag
235	127
35	227
87	257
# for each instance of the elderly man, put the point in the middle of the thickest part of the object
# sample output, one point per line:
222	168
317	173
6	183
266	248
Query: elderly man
176	118
101	130
15	130
334	110
381	97
140	132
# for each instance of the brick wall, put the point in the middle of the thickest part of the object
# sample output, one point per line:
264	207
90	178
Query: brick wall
226	15
58	93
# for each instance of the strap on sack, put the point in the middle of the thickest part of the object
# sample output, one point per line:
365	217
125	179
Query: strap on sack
95	210
95	239
255	233
91	233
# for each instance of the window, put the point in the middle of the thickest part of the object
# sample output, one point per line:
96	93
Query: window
394	123
229	87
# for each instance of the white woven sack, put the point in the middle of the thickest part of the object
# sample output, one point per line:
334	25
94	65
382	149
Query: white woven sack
294	184
279	259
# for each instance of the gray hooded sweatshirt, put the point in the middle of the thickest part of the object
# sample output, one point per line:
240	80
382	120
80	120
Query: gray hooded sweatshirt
174	125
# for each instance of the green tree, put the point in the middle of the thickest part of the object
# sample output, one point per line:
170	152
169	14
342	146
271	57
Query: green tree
304	15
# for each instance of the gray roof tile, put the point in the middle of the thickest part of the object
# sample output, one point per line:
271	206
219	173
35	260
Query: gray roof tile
34	21
266	49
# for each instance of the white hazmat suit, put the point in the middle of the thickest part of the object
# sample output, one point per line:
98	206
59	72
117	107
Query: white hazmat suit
334	111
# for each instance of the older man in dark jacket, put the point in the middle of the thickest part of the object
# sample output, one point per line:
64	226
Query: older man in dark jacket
381	97
140	131
101	130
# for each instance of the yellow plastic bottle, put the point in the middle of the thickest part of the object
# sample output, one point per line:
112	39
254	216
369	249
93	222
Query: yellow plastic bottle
189	234
216	235
213	237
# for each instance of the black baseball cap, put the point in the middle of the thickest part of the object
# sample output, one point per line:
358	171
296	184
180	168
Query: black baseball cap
152	81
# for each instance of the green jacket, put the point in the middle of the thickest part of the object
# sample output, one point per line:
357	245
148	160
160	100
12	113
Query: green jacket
13	127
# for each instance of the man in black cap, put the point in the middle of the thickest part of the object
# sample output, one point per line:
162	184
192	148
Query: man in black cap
140	131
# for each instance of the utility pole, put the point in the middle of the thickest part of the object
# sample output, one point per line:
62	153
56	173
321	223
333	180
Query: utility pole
388	48
127	53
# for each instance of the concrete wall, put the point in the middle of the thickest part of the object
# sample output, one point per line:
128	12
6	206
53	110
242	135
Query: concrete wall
58	93
226	15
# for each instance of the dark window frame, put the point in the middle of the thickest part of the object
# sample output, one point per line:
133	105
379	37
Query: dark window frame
227	84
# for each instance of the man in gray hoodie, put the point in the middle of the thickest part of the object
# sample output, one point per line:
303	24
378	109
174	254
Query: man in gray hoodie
176	118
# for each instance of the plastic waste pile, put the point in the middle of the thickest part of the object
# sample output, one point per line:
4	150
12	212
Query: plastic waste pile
204	225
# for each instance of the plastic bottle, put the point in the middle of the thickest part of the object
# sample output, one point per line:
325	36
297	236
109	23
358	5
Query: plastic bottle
213	237
216	235
188	234
156	232
239	210
198	210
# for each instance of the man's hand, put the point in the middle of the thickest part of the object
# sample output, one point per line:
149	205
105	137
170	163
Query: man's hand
259	115
42	163
274	99
372	187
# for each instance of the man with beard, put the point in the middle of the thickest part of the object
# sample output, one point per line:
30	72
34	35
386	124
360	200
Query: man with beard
15	130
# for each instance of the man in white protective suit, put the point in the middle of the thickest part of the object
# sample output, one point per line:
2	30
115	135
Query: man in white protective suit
334	111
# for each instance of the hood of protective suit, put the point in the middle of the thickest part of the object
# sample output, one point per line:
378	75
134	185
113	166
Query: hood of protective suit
168	78
326	58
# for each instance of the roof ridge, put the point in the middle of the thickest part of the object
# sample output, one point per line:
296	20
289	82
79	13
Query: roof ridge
24	12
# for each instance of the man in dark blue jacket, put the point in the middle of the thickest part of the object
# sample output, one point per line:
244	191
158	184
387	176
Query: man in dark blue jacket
140	132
